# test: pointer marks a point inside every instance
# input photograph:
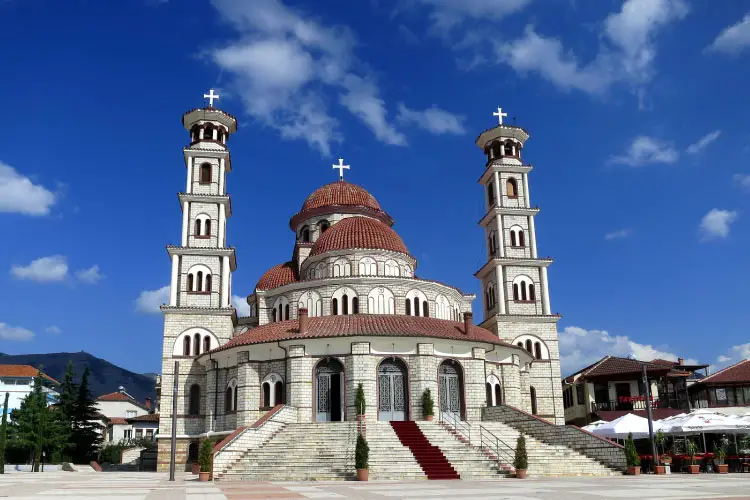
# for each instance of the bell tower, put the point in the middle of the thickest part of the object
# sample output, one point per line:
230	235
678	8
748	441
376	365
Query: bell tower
515	289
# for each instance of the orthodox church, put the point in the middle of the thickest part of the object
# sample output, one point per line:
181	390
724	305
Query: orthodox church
347	308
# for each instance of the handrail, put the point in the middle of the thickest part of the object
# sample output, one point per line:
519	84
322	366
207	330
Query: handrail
459	426
500	448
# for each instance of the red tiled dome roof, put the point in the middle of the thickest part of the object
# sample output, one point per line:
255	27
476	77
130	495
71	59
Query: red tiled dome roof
359	232
279	275
340	193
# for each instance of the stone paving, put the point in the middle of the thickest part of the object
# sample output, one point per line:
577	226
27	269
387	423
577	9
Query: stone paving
153	486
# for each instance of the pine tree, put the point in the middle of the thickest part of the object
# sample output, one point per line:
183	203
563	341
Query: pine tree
86	436
3	434
66	408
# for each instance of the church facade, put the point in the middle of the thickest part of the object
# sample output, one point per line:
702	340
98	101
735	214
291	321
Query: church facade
348	308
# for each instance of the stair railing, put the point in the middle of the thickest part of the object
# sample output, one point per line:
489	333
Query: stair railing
459	426
488	441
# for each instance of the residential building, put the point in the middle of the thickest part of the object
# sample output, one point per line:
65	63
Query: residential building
18	381
125	416
727	388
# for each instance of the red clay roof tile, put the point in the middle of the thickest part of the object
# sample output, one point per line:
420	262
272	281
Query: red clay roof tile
278	275
359	232
340	193
23	371
739	372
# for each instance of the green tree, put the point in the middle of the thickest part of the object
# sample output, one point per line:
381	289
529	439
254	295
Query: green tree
86	433
3	431
631	454
205	455
66	408
361	453
521	460
359	400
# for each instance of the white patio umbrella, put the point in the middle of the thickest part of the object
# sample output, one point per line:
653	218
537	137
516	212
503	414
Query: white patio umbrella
619	428
697	423
593	425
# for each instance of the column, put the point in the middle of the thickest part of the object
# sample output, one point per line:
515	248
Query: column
526	190
532	236
211	395
222	170
173	285
222	227
545	292
189	187
300	383
500	289
185	217
225	281
498	191
500	237
248	385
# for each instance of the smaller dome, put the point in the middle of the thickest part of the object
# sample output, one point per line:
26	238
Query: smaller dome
277	276
359	232
340	193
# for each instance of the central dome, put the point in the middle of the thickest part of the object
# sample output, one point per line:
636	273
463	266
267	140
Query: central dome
359	232
340	193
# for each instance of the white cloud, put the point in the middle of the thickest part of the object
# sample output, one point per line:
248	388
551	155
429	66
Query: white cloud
619	234
733	39
626	52
240	303
704	141
742	180
284	65
445	14
645	150
45	269
8	332
53	329
90	275
735	354
580	347
716	223
149	301
434	120
723	359
18	194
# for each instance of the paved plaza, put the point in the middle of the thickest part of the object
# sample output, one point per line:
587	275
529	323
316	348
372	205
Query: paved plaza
153	486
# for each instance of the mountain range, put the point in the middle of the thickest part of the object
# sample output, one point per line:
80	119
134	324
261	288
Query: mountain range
104	378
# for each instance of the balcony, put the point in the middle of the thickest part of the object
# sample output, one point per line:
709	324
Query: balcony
627	403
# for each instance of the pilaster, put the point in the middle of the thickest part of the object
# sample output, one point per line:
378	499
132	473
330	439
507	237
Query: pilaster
248	387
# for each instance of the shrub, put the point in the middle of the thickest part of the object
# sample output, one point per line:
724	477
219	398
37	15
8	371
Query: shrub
428	405
691	449
631	454
204	457
521	460
359	400
720	453
361	453
111	453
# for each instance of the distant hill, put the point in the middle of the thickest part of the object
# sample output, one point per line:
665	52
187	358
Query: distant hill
105	377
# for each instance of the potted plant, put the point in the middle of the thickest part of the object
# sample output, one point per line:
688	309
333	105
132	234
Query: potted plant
361	458
204	459
720	454
428	405
521	460
359	402
661	462
691	449
631	456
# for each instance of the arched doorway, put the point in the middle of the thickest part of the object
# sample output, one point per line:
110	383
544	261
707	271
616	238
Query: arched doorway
329	400
451	387
392	397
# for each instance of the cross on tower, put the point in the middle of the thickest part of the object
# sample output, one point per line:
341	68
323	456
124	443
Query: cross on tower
500	115
211	96
341	168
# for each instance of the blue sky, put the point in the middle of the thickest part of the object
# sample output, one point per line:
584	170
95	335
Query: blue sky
637	112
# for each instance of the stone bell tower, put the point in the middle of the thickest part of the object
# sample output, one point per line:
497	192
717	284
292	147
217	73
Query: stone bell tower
199	316
515	289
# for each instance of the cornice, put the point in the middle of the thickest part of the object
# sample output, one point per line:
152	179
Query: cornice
205	252
495	211
215	311
208	153
498	166
521	318
221	199
513	261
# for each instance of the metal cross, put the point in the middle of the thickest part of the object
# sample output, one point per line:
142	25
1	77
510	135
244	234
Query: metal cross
211	96
341	168
500	115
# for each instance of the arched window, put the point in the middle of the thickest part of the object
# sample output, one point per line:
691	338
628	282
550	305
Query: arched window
281	308
205	174
368	267
532	393
355	305
419	302
442	307
266	394
207	228
206	343
523	289
380	301
416	306
193	452
304	234
390	268
323	226
491	194
197	344
195	133
408	272
335	307
490	295
488	393
508	149
208	283
278	392
517	238
345	304
498	394
343	297
342	267
407	306
511	188
528	346
321	270
194	407
537	350
492	241
521	239
286	312
425	309
186	345
199	281
496	150
515	292
494	391
312	301
230	396
190	283
197	227
532	292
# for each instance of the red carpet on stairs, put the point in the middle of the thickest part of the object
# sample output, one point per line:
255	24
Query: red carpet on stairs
430	458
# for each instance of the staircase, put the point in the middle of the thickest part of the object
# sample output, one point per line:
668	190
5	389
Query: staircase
301	452
430	457
549	459
470	462
389	459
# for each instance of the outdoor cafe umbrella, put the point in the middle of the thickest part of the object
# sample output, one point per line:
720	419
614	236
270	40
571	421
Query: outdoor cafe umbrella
594	425
697	423
619	428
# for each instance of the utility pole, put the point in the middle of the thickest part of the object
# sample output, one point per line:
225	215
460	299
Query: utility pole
174	421
3	428
650	417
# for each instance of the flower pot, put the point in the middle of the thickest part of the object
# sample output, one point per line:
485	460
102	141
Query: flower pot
521	473
363	474
428	418
661	469
204	476
694	469
195	468
723	468
634	470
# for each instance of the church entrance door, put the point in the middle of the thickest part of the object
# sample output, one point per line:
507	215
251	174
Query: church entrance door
450	389
329	376
392	390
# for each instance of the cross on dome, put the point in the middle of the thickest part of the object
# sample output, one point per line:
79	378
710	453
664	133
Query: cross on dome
500	115
211	96
341	168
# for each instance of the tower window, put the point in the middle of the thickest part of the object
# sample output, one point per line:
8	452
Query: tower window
511	187
208	283
194	406
207	228
538	350
425	309
197	344
524	289
208	133
186	345
521	238
286	312
324	225
206	343
335	307
528	346
205	173
508	149
304	234
190	282
344	304
513	238
491	194
197	227
496	150
355	305
408	307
